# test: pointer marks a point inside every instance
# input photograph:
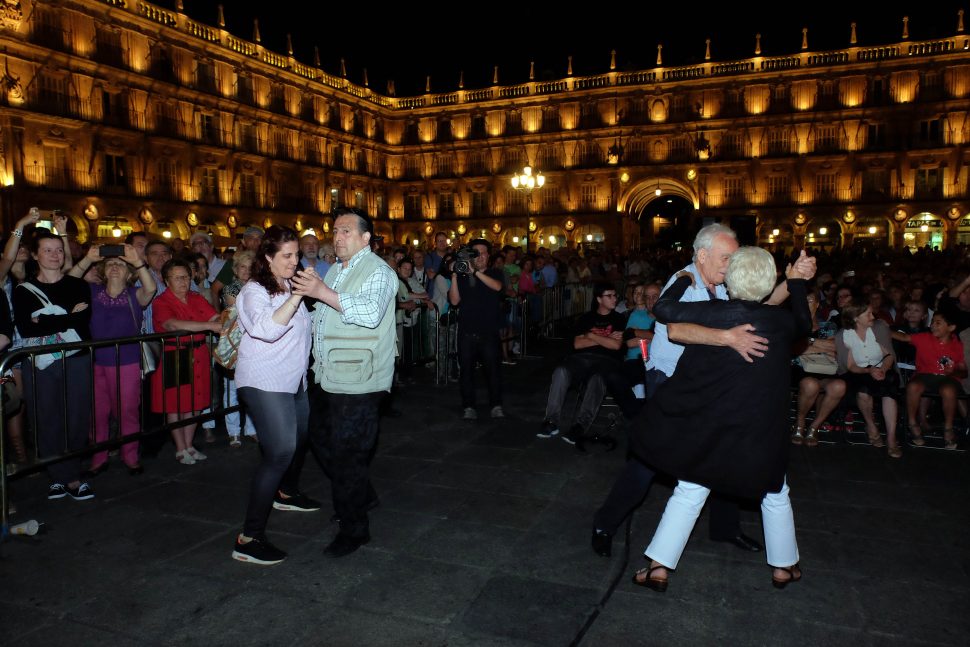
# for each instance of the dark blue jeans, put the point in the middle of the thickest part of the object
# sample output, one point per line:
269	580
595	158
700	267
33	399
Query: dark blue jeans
281	426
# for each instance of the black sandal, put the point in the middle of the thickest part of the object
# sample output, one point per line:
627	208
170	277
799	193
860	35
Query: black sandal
650	582
794	574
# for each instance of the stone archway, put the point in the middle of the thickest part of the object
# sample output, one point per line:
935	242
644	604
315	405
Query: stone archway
635	199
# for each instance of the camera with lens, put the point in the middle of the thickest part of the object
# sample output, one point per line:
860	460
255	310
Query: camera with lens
463	260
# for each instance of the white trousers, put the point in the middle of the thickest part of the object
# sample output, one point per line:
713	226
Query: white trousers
684	507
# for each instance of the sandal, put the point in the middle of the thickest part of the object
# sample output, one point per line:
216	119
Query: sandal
811	438
916	433
655	583
894	451
794	574
796	436
949	438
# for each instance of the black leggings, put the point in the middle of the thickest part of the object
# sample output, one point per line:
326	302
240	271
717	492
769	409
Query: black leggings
281	426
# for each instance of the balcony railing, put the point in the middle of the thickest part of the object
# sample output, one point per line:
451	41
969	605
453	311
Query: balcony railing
248	198
52	37
59	179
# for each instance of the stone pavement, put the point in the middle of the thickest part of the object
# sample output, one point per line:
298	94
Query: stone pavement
482	538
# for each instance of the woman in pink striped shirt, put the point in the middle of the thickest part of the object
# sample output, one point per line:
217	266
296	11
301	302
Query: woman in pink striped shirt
271	380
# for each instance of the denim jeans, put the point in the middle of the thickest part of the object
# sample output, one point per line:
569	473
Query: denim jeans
574	369
281	426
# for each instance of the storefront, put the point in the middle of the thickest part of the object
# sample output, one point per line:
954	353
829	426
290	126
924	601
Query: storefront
925	229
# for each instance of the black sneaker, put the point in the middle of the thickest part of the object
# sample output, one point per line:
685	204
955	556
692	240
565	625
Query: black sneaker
298	502
549	429
258	551
82	492
57	491
574	434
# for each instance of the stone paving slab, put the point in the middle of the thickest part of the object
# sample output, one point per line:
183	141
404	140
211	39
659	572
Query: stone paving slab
482	540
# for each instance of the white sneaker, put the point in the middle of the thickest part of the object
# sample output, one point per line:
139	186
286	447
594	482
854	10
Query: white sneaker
469	414
196	454
497	411
184	458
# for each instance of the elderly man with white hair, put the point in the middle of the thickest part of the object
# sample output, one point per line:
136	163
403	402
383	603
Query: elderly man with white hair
719	421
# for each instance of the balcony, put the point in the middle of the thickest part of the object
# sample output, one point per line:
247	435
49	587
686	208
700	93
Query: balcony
59	104
251	144
727	150
51	37
594	205
248	198
928	192
214	136
294	202
206	82
110	54
167	126
164	189
58	179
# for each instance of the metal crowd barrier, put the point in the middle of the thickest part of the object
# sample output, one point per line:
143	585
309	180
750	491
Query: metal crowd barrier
548	314
420	341
39	402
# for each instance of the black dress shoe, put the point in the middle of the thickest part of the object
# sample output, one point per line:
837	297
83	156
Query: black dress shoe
344	545
743	542
373	503
135	470
602	543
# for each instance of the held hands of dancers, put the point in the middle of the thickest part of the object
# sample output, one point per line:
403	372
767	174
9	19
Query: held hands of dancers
307	283
803	268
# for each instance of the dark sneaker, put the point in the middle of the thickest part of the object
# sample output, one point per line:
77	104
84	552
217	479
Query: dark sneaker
258	551
574	434
82	492
57	491
549	429
298	502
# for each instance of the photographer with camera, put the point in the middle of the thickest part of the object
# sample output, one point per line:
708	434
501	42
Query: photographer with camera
479	291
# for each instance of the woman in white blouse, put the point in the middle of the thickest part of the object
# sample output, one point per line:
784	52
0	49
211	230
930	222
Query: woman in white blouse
868	353
271	380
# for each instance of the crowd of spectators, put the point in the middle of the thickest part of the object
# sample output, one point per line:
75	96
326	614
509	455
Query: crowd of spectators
891	323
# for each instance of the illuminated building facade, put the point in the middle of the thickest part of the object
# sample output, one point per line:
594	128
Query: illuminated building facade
130	116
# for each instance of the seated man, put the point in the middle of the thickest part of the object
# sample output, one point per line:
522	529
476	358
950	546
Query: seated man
597	344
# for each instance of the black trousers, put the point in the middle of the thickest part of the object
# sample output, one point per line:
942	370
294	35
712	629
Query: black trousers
634	482
484	346
344	443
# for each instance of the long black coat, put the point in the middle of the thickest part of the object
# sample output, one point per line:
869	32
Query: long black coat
720	421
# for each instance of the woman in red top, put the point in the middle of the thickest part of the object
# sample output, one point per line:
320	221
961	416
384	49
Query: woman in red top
939	362
180	386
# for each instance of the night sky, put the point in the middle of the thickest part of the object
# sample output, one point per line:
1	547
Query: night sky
414	40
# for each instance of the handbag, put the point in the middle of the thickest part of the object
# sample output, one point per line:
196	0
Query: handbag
818	363
226	351
148	360
42	361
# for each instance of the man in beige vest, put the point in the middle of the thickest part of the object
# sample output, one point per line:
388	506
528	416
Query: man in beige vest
354	346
